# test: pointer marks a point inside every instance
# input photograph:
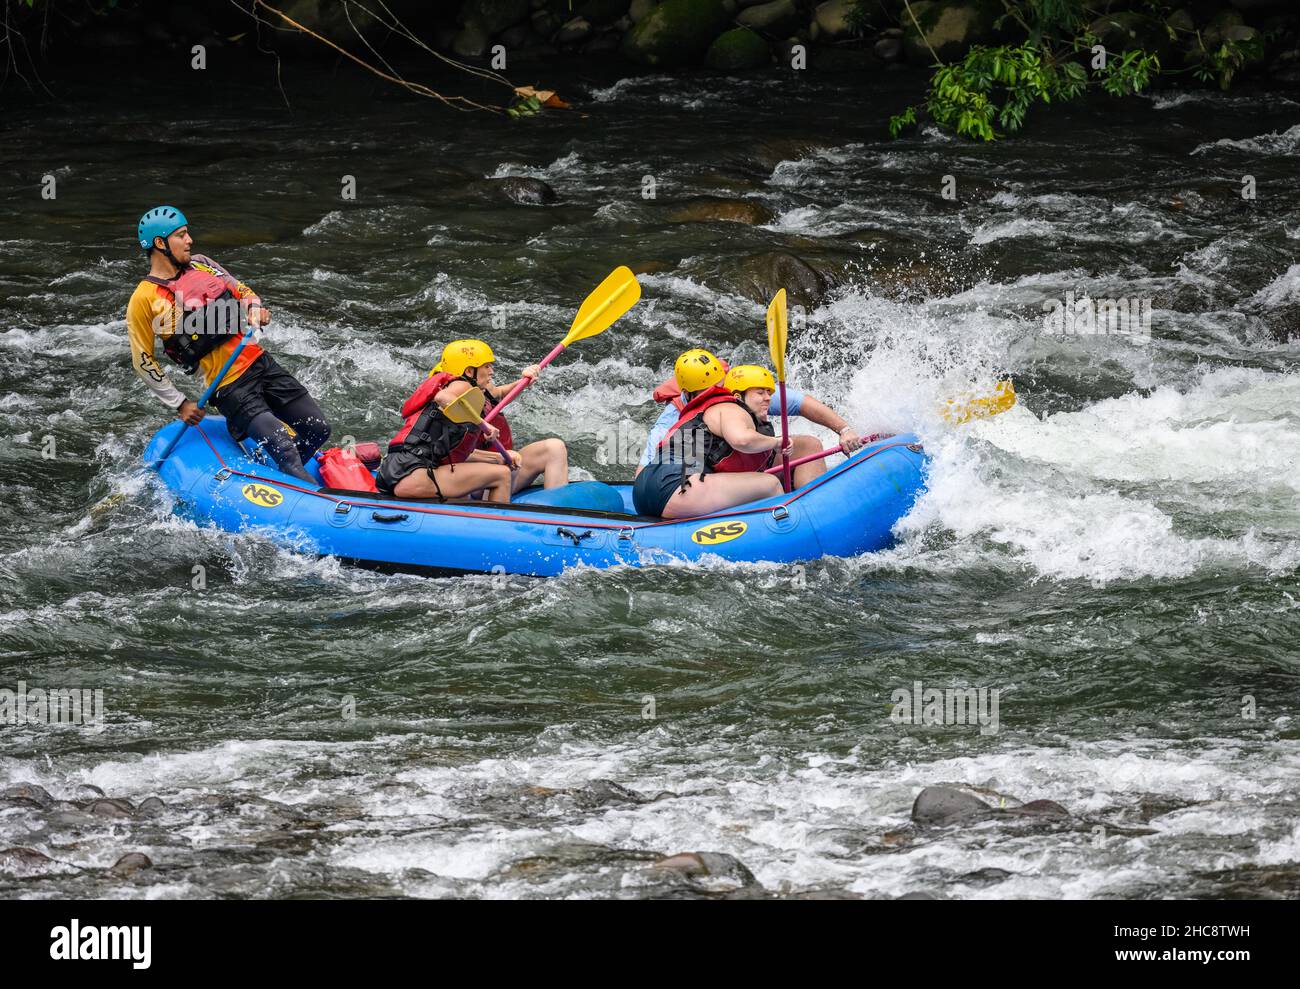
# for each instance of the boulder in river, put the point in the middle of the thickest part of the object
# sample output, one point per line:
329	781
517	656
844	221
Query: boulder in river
759	276
518	189
111	808
131	863
676	32
737	50
29	792
939	806
775	19
493	16
712	865
708	209
832	19
947	29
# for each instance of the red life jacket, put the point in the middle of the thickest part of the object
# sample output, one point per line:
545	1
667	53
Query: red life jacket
210	312
430	435
719	455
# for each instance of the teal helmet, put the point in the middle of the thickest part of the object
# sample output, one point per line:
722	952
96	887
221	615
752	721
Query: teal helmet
161	221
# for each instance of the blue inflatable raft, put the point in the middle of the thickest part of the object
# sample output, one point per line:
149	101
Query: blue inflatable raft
850	509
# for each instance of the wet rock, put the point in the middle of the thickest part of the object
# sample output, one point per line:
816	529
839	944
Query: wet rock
512	189
493	16
600	792
640	9
948	29
471	41
888	49
676	32
760	276
572	32
766	154
940	806
110	808
832	19
711	865
1125	30
917	895
150	807
651	267
519	36
1283	322
986	877
87	791
710	210
30	792
25	862
131	863
737	50
775	19
1041	808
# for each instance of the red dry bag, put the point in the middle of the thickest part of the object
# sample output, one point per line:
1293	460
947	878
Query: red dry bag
341	468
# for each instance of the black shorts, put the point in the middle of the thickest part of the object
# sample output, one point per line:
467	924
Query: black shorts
654	486
263	387
396	466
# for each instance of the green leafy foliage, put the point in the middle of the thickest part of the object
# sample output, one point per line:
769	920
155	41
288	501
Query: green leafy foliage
1222	64
988	94
528	107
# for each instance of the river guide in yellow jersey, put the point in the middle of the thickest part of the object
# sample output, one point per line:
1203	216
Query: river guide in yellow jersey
199	310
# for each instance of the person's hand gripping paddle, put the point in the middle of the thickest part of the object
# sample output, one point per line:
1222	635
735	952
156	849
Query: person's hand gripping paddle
468	408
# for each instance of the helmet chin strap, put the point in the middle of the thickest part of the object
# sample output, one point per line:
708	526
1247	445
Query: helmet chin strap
167	252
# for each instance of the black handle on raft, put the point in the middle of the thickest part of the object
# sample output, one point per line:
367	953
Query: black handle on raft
576	537
390	518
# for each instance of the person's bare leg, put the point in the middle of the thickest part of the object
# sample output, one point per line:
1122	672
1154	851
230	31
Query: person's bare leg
719	492
803	446
495	478
548	459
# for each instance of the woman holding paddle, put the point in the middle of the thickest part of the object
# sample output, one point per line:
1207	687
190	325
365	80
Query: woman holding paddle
445	449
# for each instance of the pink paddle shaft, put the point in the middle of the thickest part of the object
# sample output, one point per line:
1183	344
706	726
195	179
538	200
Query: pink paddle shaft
818	456
521	384
787	469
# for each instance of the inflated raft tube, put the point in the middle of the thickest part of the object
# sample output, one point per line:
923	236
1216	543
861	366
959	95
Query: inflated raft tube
850	509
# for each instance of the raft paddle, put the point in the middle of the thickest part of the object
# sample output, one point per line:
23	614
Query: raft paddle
608	301
777	328
1003	397
208	392
469	408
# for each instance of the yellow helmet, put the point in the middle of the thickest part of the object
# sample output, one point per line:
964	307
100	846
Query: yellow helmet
748	376
695	370
459	355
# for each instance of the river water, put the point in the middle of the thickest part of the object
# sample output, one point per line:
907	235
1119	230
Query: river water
1113	561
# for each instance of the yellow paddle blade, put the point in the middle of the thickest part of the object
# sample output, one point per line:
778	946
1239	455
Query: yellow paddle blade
467	408
777	329
959	410
611	299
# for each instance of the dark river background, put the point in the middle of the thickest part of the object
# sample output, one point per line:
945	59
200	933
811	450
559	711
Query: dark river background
1117	555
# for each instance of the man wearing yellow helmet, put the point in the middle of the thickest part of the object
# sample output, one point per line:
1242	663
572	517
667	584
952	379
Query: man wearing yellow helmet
424	456
797	403
716	437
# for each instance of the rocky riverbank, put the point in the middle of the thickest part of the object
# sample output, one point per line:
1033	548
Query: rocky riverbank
732	36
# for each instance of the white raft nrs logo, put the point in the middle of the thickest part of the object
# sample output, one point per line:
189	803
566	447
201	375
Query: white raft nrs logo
77	943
